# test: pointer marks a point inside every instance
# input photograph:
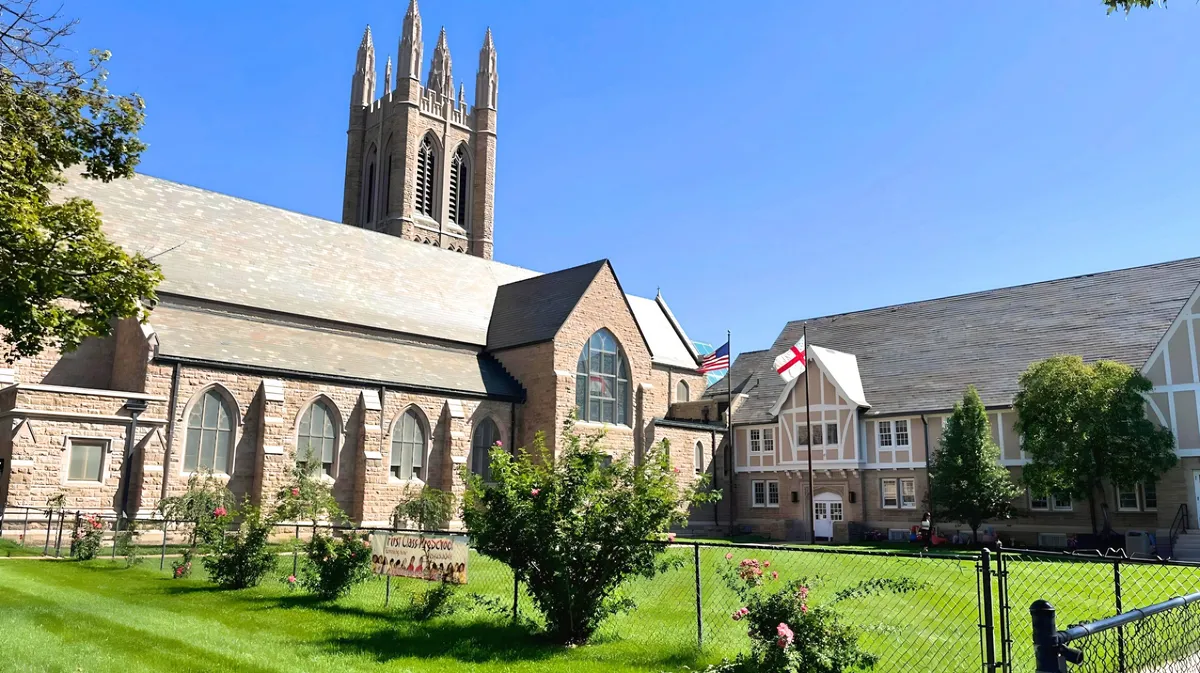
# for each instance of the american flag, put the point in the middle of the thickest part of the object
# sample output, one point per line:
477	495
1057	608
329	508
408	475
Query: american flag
718	359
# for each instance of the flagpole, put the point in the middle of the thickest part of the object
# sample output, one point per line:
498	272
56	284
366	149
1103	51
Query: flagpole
812	523
732	457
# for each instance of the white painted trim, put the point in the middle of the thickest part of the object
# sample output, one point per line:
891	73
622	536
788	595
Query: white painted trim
1175	388
1157	412
911	465
90	392
1184	314
1166	355
1192	343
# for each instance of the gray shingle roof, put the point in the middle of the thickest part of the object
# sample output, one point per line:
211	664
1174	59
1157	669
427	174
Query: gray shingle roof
748	367
922	356
197	334
532	310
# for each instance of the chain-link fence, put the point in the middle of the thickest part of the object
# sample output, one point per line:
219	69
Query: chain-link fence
967	611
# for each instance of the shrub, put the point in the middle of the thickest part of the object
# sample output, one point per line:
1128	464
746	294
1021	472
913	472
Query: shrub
307	497
787	634
126	543
425	509
574	527
242	558
334	565
85	539
204	506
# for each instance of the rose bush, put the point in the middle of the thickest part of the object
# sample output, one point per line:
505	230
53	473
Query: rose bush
85	539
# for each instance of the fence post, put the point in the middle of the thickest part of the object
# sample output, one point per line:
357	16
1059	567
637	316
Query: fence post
49	524
989	626
162	556
25	527
296	552
516	585
78	521
116	532
58	538
1045	637
387	591
699	613
1120	609
1003	607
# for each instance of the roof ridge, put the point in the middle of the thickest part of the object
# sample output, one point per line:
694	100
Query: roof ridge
976	293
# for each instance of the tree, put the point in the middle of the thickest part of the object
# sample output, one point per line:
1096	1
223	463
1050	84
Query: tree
1128	5
61	280
425	508
1086	424
575	526
966	480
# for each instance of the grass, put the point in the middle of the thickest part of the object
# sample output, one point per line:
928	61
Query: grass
100	616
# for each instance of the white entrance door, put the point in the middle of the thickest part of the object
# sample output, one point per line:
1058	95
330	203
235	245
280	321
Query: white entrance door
1196	495
827	508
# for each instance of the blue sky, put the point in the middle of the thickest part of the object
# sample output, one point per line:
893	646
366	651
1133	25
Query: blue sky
759	162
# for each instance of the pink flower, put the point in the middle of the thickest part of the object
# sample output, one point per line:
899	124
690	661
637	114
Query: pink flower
774	575
499	444
291	579
534	492
366	543
729	556
676	470
804	609
802	593
766	564
785	635
670	537
220	511
295	491
740	614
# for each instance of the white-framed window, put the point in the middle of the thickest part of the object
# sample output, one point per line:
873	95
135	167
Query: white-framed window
835	511
818	434
902	433
884	432
682	393
1058	502
699	457
755	441
772	494
758	494
890	490
768	440
209	442
408	446
899	493
316	439
85	459
831	433
1137	498
908	494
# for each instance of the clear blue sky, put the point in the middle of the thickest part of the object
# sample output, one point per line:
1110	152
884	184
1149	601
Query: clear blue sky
913	150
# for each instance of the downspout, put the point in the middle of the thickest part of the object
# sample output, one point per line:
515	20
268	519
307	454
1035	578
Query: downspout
512	428
716	475
928	479
170	429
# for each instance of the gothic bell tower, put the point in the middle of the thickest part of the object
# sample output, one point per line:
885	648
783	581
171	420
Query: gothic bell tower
420	161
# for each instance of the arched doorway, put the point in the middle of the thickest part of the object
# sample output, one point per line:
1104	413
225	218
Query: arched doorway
827	508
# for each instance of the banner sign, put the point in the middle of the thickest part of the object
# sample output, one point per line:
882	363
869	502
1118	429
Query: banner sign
437	558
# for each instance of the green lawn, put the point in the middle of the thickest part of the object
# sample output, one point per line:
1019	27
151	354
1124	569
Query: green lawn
100	616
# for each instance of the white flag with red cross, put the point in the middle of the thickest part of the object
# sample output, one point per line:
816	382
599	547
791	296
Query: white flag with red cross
792	362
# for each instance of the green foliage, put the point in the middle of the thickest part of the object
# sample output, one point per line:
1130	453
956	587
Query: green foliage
126	543
204	505
426	508
574	527
307	497
242	558
61	280
787	634
1128	5
332	566
85	539
1086	424
967	481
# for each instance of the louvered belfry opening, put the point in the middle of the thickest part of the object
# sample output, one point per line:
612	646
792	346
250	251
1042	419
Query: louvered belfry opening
459	186
426	169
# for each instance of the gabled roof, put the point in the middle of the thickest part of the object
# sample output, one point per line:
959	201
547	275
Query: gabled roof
532	310
922	356
840	368
744	377
668	343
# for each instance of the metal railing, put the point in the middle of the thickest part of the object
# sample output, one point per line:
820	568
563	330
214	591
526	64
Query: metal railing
1178	526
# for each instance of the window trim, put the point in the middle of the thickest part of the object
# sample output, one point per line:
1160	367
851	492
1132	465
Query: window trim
683	392
236	421
755	440
622	403
836	434
1139	491
883	499
768	438
106	444
896	445
773	504
754	493
913	481
1052	504
879	435
698	456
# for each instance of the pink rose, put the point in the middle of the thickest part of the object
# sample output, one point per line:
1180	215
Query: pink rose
534	492
766	564
220	511
774	575
670	537
676	470
295	492
499	443
291	579
729	556
785	635
804	609
366	543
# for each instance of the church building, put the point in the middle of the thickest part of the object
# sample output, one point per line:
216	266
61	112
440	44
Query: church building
390	348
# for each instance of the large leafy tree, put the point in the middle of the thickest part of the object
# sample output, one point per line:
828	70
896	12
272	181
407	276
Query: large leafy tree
573	527
967	481
1086	424
1128	5
61	280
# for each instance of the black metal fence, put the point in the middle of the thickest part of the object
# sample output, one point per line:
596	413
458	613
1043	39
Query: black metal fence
959	619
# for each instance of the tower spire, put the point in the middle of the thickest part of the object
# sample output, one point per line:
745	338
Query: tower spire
387	76
462	96
487	79
362	87
408	62
440	77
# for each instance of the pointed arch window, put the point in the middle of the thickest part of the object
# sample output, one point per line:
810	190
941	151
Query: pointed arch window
408	446
209	434
699	457
459	192
486	436
368	188
602	381
682	392
316	440
385	182
426	170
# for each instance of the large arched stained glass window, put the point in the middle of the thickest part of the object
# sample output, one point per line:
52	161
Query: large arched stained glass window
316	441
602	381
408	446
209	434
486	436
